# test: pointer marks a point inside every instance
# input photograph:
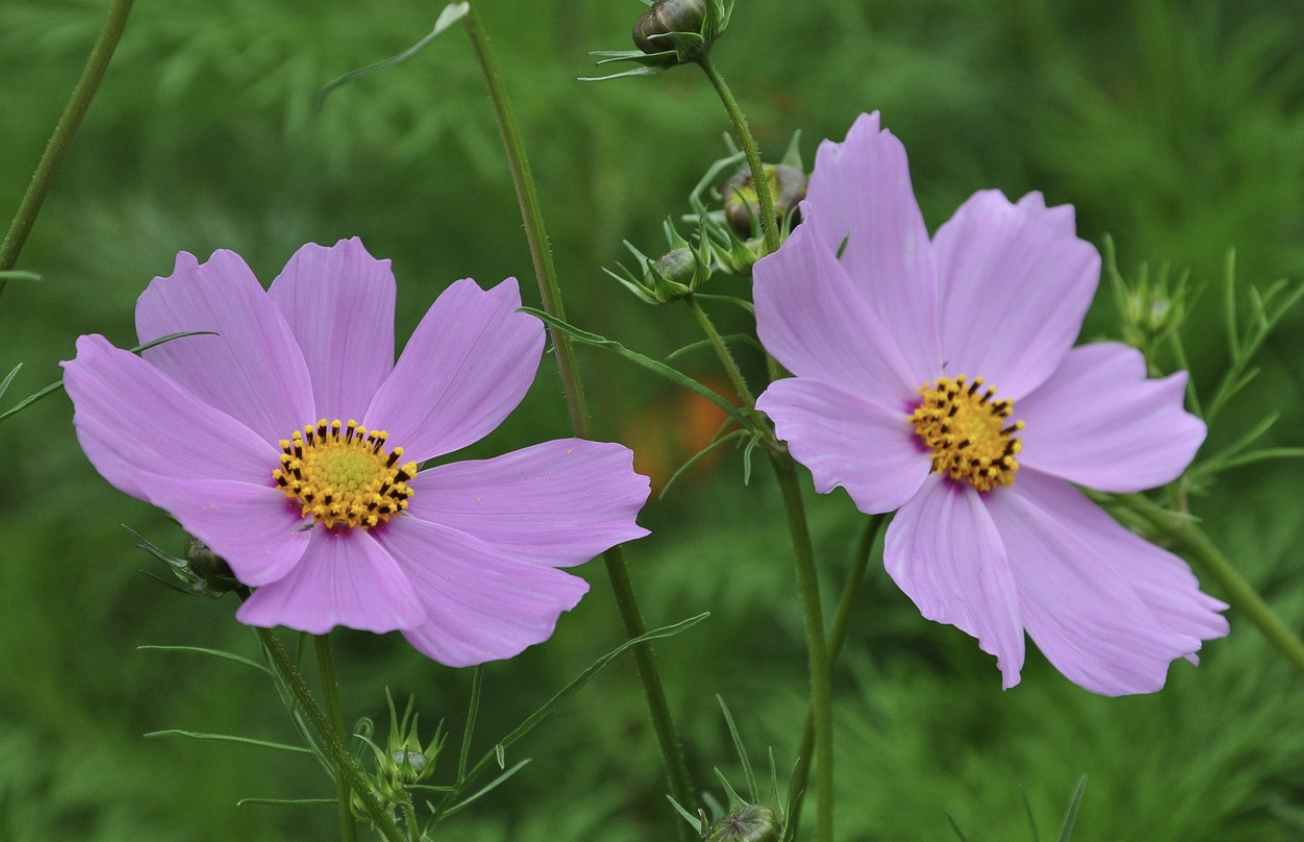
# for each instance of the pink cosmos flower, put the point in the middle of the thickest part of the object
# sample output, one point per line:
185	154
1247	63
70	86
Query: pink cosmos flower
938	377
289	443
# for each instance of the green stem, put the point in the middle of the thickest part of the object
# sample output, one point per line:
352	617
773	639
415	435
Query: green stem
413	825
721	351
1188	537
759	181
821	702
550	290
821	688
838	636
335	717
340	758
82	94
536	233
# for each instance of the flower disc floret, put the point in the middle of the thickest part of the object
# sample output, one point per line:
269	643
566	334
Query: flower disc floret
967	432
342	475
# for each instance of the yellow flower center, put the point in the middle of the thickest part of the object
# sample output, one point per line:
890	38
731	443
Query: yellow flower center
967	432
343	476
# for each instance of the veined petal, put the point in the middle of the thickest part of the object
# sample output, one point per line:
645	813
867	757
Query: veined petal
252	369
1099	422
847	441
1097	604
480	605
345	578
339	304
555	504
131	419
467	365
860	194
811	318
253	527
1015	286
943	550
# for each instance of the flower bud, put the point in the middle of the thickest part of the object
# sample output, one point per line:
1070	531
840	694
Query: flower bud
670	33
201	573
749	823
664	17
743	210
676	274
1151	308
207	562
678	266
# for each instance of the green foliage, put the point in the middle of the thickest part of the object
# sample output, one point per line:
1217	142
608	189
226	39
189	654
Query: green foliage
1174	125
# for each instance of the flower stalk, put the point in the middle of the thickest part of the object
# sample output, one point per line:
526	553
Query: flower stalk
821	703
550	290
344	764
837	636
722	351
335	718
817	652
64	130
753	153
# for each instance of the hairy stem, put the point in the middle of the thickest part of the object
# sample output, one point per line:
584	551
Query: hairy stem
721	351
759	181
80	100
550	290
821	703
343	762
335	718
838	636
821	686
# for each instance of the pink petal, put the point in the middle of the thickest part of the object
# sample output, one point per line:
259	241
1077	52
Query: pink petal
943	550
1099	422
860	194
480	604
849	442
555	504
1108	612
253	527
252	369
339	304
1163	581
469	363
1060	218
345	578
132	421
811	317
1015	286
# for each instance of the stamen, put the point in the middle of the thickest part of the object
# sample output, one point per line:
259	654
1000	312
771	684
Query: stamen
966	431
342	476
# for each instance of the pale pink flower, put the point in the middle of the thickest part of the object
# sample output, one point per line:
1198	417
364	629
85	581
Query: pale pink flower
232	434
939	377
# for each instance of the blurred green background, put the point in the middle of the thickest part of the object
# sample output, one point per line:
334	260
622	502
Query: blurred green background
1176	127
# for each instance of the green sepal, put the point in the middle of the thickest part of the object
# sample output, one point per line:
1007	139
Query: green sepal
199	575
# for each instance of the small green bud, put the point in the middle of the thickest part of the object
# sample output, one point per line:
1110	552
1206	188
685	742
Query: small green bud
676	274
749	823
202	572
677	267
743	210
1151	308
